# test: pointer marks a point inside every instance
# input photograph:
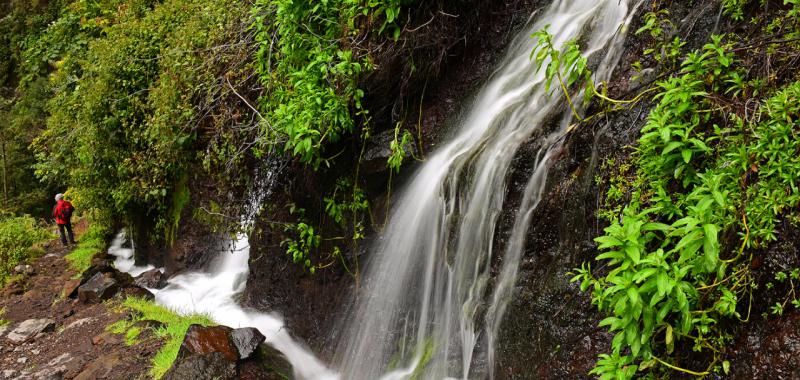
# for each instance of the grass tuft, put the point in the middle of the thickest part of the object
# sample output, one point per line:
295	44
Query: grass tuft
91	243
173	331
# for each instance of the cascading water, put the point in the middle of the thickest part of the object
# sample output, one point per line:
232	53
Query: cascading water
215	293
426	308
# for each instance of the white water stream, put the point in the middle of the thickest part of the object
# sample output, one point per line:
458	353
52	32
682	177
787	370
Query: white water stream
215	293
428	307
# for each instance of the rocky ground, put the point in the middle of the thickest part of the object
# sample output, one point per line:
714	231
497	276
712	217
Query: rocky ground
50	335
55	326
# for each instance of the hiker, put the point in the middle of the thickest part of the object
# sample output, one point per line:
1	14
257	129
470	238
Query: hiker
63	212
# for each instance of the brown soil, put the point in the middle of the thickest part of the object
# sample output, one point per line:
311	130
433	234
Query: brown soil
80	342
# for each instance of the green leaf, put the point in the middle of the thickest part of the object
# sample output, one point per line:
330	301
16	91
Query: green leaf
687	155
632	252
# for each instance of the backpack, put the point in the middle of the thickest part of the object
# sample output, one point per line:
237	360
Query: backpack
64	212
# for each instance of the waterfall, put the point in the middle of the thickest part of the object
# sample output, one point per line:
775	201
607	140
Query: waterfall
427	308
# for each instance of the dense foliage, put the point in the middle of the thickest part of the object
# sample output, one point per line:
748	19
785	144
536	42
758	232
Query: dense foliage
124	118
130	103
17	236
713	179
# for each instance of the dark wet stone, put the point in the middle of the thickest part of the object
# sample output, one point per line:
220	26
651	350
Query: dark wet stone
136	291
152	279
247	341
210	366
98	288
255	370
98	266
274	361
202	340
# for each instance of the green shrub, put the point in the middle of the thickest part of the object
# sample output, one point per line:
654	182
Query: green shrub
17	236
310	66
677	258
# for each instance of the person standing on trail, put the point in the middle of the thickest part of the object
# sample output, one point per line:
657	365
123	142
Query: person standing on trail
63	212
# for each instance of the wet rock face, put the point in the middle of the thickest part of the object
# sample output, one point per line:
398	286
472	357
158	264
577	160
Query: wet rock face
201	340
246	341
770	350
152	279
220	352
550	328
99	288
379	150
211	366
450	54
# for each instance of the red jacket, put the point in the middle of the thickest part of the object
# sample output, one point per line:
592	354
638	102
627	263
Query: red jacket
63	211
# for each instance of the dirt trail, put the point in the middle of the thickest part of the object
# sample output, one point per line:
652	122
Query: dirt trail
68	338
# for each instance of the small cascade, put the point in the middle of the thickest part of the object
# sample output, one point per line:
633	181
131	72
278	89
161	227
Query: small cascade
124	260
215	292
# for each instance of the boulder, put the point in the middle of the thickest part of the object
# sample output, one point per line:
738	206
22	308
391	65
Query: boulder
224	353
70	288
202	340
246	341
30	328
202	367
152	279
99	288
98	266
105	266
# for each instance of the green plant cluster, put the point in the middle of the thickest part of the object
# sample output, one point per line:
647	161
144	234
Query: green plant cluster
677	260
712	179
18	234
172	331
346	208
310	63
